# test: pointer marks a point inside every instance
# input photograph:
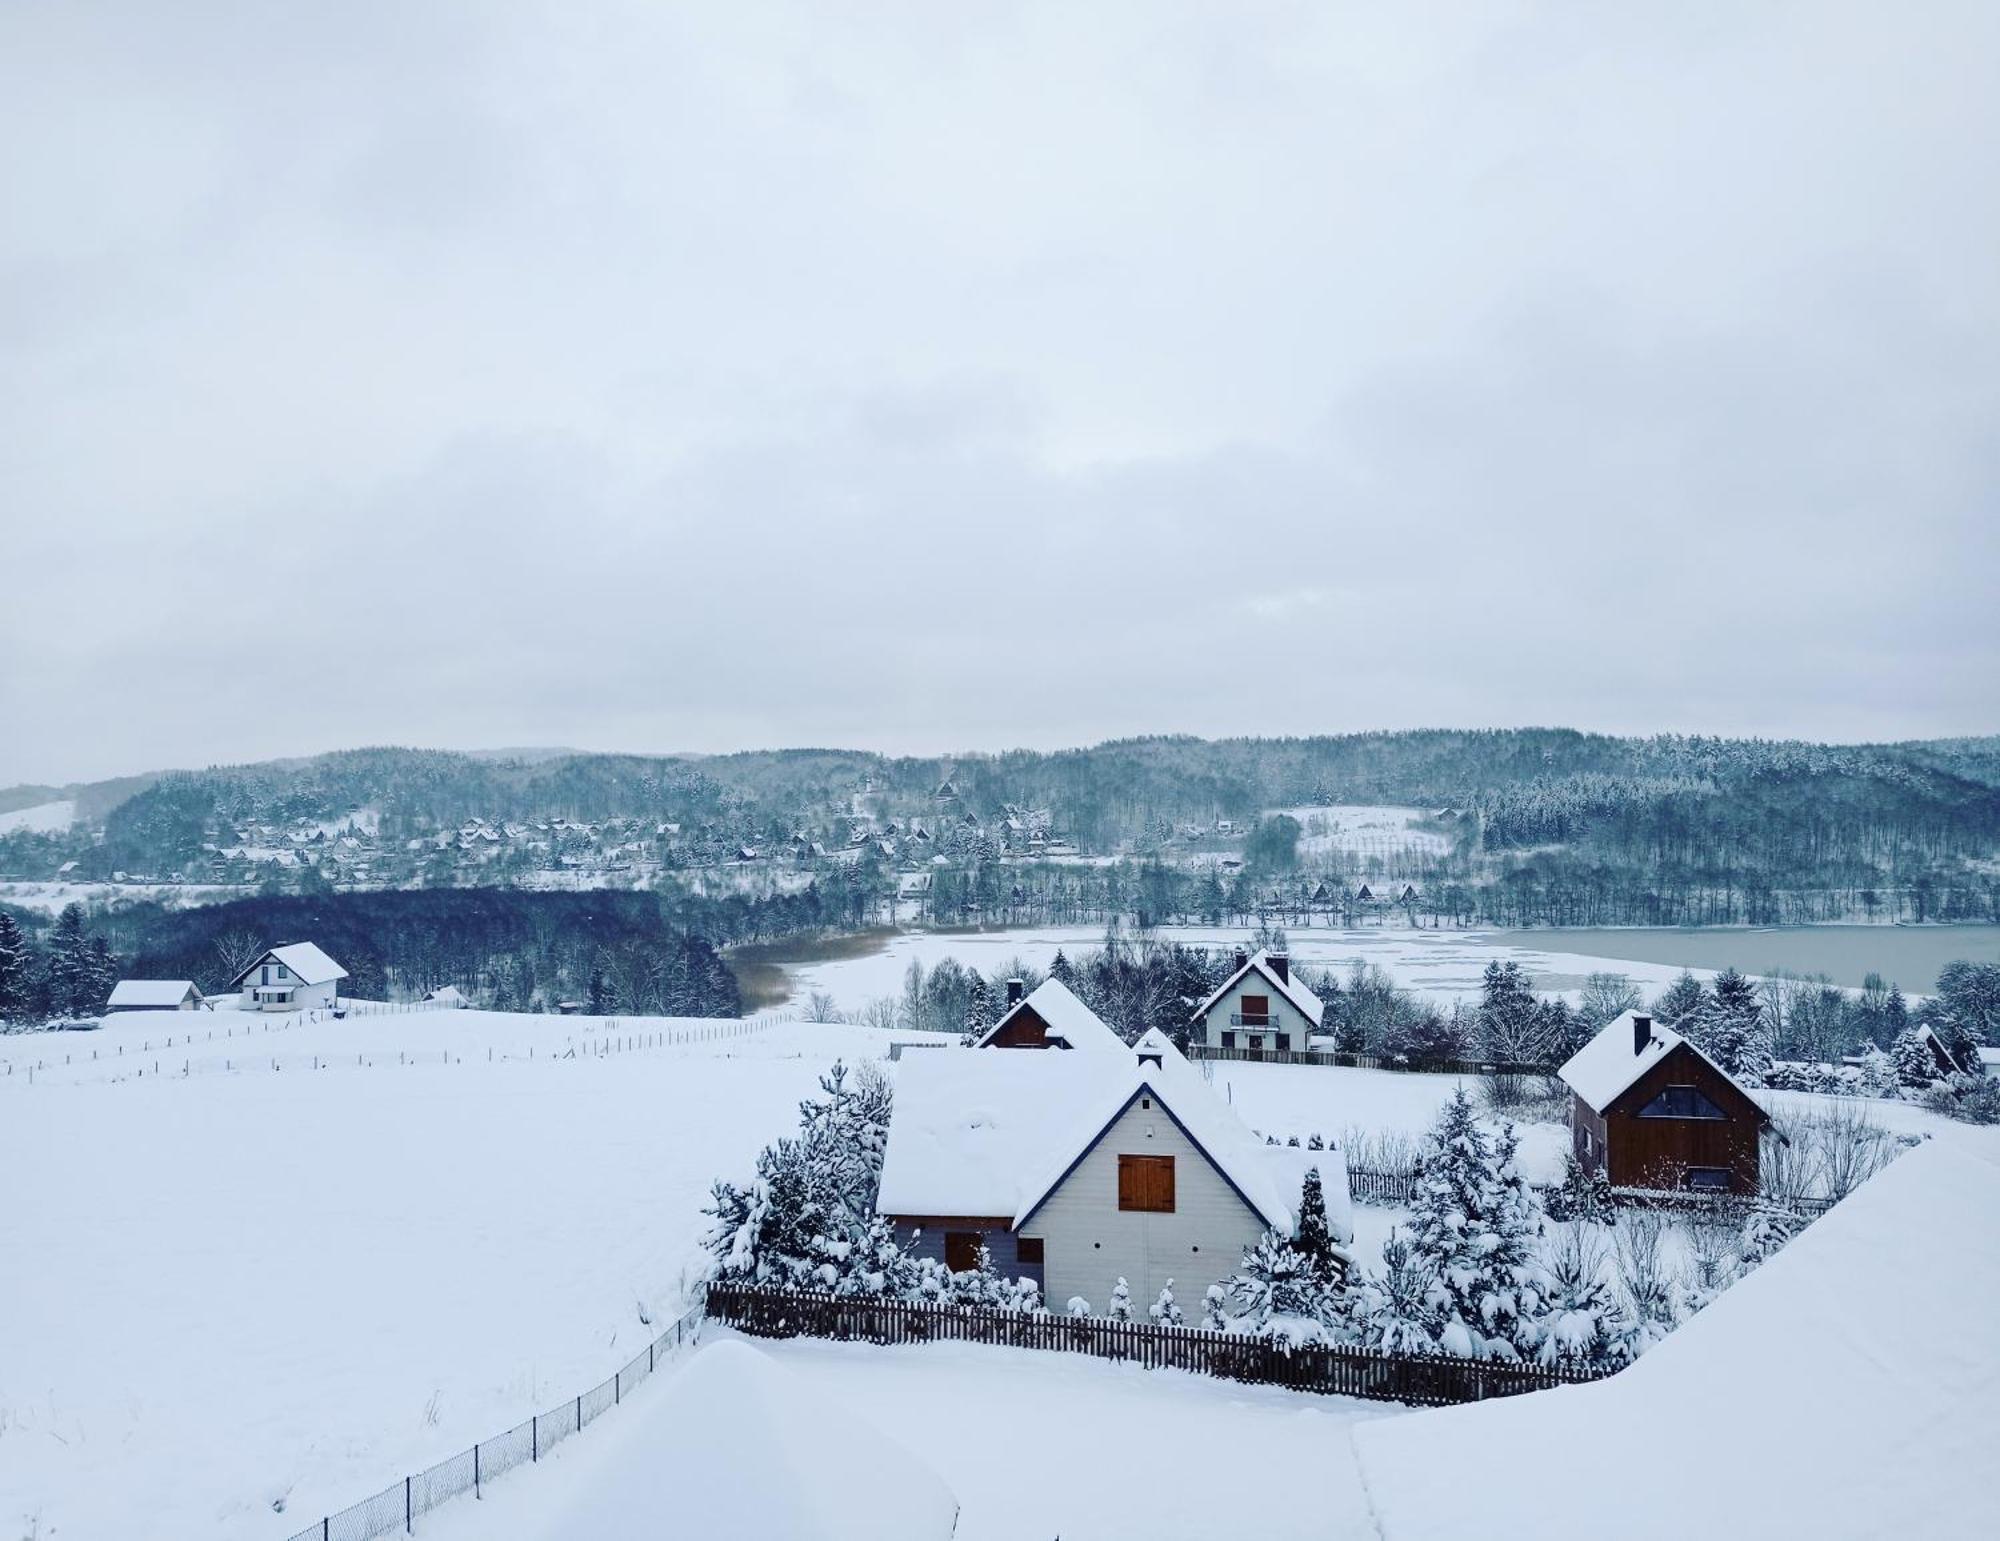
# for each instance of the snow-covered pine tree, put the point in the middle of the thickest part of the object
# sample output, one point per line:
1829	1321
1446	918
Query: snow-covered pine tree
1063	971
1583	1195
1394	1310
13	970
1164	1310
1326	1260
1214	1309
1766	1229
70	977
1915	1065
1683	997
1120	1309
978	1009
1585	1326
101	970
1472	1223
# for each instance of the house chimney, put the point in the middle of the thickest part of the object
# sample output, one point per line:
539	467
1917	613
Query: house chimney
1013	992
1642	1033
1242	958
1281	965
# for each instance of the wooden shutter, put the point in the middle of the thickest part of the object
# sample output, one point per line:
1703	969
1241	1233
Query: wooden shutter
1146	1183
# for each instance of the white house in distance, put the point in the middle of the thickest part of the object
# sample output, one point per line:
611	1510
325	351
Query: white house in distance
1259	1006
1077	1170
155	995
295	977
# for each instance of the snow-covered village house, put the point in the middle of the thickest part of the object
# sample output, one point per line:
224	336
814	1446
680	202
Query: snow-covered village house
1078	1170
1650	1110
155	995
1259	1006
295	977
1050	1018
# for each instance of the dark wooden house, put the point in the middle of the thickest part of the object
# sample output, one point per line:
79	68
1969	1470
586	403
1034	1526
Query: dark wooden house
1050	1018
1650	1110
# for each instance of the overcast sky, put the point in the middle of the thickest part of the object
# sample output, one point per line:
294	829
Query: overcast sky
665	377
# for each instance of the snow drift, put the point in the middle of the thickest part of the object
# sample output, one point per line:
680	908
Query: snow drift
1845	1389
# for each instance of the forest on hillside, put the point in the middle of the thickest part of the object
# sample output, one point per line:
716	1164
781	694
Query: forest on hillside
1532	826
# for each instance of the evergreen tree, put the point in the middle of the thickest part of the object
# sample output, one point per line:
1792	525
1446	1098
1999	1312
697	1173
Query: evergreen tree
1766	1229
1584	1327
1325	1261
1120	1309
1683	997
978	1009
101	971
1164	1311
1583	1195
1395	1310
1915	1064
71	975
1063	971
601	998
1472	1223
13	970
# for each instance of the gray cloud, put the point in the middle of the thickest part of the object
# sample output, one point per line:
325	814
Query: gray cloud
661	378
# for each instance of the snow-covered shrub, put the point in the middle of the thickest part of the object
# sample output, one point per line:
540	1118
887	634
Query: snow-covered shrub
1078	1306
1971	1099
1766	1229
1394	1310
1584	1194
1120	1309
1647	1278
1214	1308
1164	1310
1585	1326
1915	1064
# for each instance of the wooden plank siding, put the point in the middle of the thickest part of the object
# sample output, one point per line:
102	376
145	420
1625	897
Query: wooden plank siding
924	1236
1025	1029
1657	1152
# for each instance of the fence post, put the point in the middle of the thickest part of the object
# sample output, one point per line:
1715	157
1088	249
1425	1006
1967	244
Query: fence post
475	1471
535	1437
409	1519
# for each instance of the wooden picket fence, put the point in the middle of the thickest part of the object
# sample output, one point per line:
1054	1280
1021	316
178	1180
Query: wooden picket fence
1346	1061
1420	1380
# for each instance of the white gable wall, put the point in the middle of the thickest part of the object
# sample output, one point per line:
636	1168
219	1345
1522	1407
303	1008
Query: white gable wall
305	997
1289	1024
1091	1243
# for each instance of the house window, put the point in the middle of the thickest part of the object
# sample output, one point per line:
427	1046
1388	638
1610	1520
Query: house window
1256	1010
1682	1102
961	1251
1027	1249
1228	1039
1708	1179
1256	1040
267	973
1146	1184
281	972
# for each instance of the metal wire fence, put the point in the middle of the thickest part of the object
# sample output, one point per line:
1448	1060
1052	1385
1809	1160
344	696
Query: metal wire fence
397	1507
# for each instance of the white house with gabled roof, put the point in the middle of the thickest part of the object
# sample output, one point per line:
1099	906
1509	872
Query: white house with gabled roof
295	977
1077	1170
1259	1006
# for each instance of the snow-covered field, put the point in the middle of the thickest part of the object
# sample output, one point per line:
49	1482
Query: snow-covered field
52	896
42	819
228	1291
1364	830
272	1284
1440	965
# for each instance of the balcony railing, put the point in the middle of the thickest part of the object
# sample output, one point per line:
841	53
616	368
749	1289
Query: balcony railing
1239	1019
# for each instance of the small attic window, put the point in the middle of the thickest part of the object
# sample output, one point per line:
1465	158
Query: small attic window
1146	1103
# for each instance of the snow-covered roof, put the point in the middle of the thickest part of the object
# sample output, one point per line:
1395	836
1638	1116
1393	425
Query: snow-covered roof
1838	1358
1292	990
736	1446
306	962
446	995
1244	1161
969	1125
1069	1020
150	992
993	1135
1604	1069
